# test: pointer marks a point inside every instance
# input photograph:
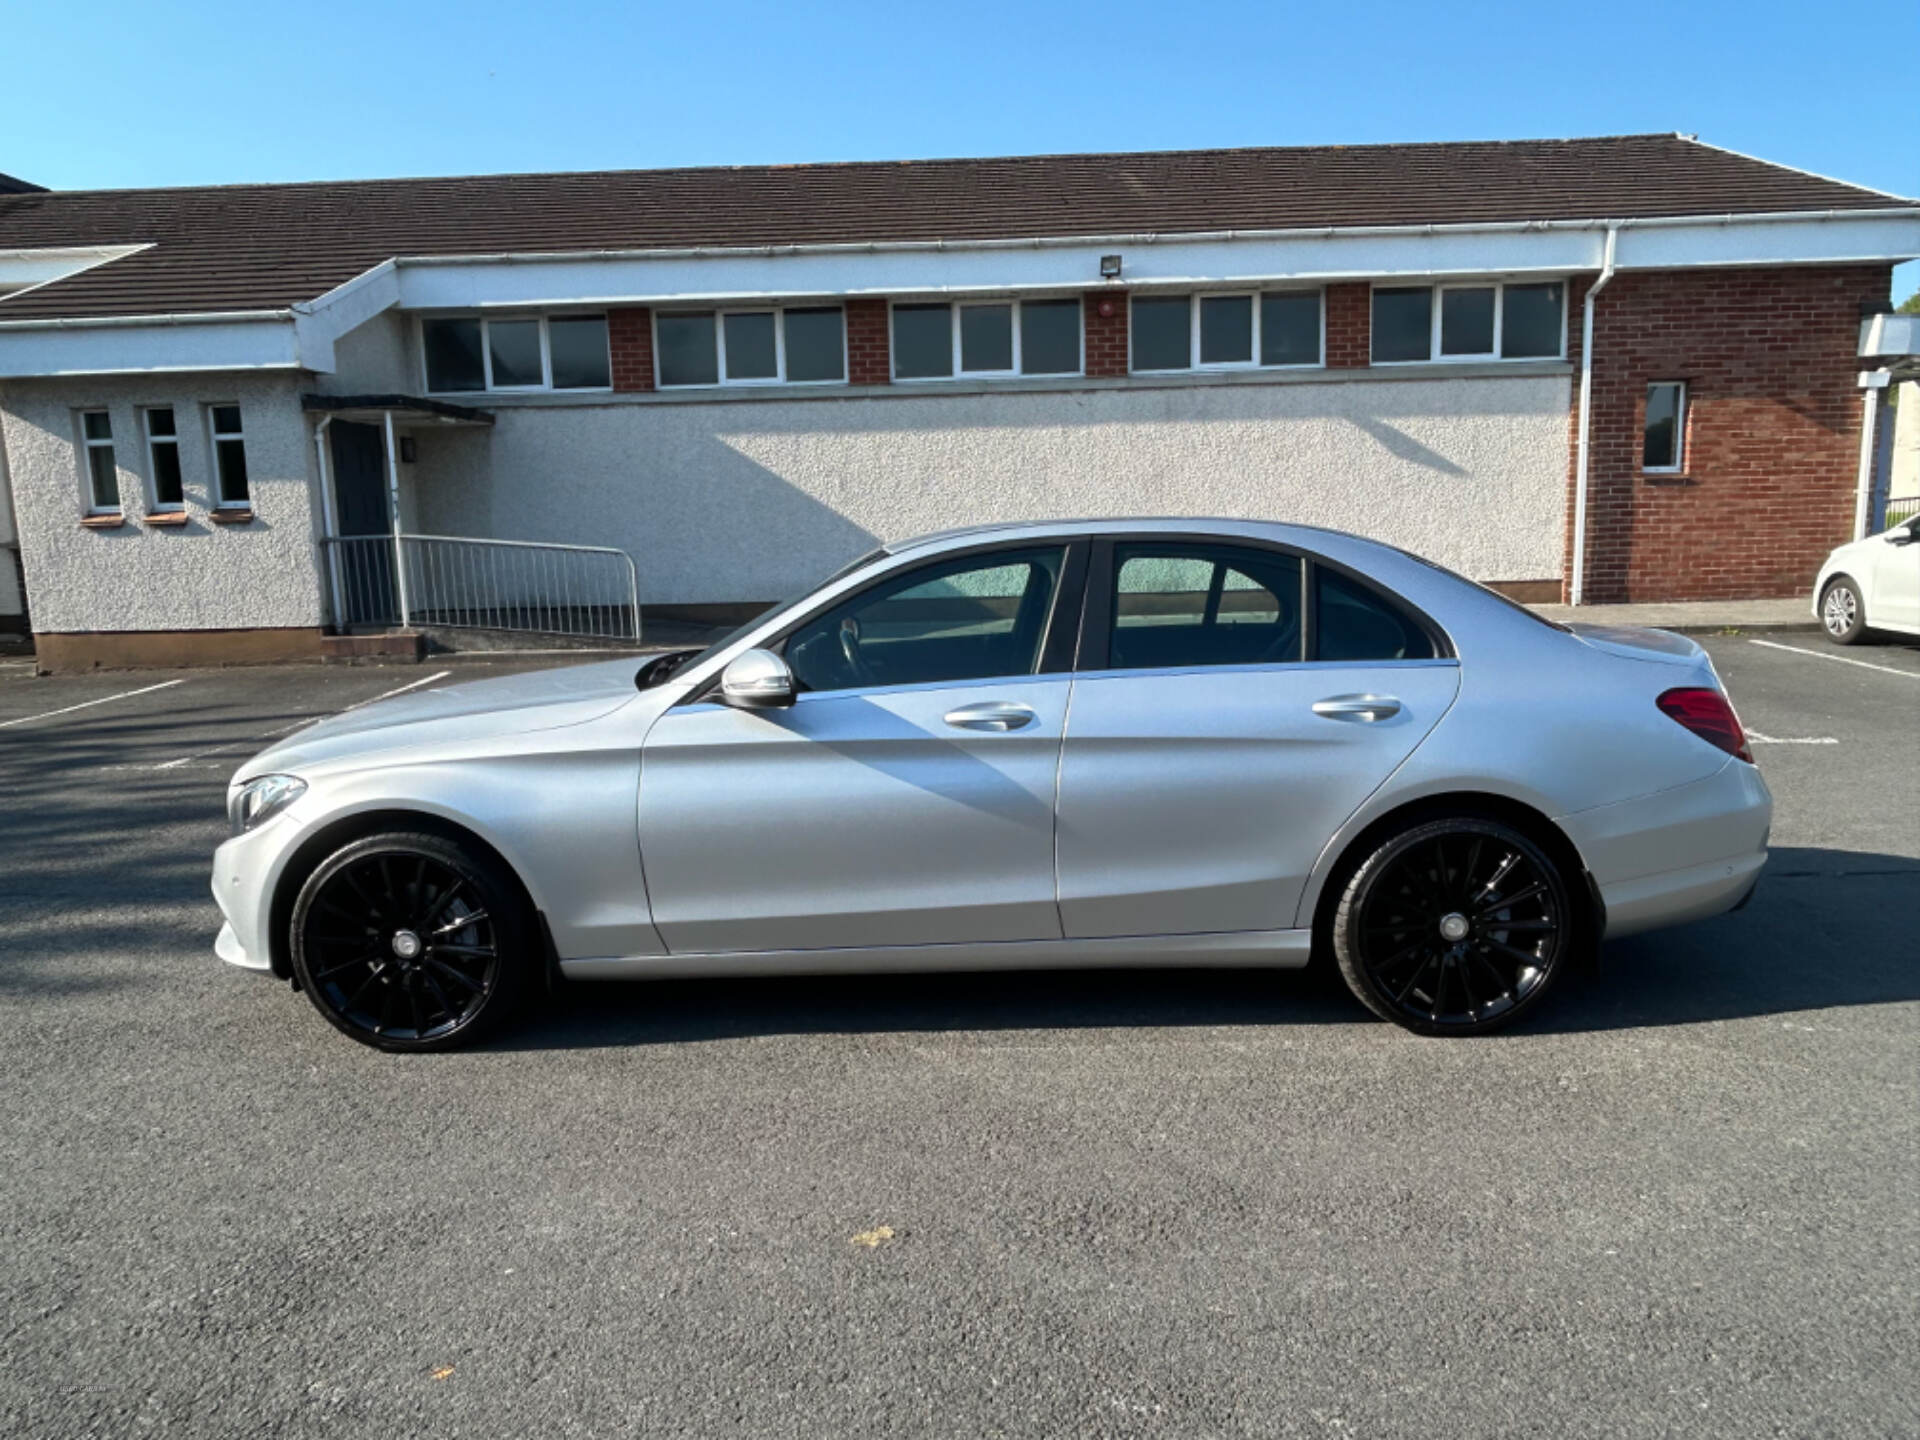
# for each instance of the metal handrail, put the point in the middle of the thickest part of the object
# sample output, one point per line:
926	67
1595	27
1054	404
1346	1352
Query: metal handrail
470	582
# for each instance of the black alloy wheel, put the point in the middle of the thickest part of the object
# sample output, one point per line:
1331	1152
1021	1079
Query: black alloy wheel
1454	927
409	942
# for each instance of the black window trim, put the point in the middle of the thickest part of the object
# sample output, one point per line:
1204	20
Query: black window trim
1059	641
1094	652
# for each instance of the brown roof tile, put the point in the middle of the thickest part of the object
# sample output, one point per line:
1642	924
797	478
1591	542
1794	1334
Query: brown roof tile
244	247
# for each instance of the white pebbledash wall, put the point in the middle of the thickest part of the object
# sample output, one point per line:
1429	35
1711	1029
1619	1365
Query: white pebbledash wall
726	500
200	576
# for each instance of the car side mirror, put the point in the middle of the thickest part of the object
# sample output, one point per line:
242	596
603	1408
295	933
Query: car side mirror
756	680
1902	537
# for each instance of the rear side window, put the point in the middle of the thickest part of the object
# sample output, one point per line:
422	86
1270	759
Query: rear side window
1353	622
1178	604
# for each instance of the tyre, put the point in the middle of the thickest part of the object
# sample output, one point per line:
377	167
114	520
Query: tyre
412	941
1455	927
1843	614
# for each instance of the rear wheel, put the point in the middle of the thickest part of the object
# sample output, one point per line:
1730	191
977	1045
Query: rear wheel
1843	615
410	941
1455	926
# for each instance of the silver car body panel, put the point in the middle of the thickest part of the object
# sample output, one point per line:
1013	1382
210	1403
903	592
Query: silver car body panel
860	830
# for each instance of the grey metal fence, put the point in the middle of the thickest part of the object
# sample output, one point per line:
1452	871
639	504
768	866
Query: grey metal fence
1900	508
463	583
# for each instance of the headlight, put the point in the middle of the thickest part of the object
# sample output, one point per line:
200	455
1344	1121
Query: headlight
261	799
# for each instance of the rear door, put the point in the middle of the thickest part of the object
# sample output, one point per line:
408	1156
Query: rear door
1235	705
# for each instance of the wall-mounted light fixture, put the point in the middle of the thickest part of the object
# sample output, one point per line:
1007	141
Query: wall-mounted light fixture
1109	267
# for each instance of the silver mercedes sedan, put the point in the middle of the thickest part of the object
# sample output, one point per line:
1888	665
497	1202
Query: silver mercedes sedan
1127	742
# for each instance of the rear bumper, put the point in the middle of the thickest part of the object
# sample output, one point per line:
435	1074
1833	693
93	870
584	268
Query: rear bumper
1678	855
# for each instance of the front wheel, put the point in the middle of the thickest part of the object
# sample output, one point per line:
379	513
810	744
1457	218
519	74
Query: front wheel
1843	615
1454	927
410	941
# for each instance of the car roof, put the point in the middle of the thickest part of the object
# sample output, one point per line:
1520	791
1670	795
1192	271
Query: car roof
1309	536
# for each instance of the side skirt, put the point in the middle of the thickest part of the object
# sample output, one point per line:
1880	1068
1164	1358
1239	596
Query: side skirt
1272	949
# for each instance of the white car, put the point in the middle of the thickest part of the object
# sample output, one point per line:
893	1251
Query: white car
1872	584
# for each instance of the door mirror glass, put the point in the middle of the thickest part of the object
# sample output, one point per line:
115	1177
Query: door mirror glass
756	680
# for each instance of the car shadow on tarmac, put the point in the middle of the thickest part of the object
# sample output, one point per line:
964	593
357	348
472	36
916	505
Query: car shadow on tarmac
1827	928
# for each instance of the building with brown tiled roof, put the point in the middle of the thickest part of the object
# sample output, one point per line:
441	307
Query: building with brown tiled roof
1609	368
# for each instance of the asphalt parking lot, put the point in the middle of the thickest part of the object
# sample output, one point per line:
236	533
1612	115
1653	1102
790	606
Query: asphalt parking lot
1684	1199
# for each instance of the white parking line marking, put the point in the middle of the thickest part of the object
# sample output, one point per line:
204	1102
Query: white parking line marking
87	704
1757	738
1837	659
397	690
289	729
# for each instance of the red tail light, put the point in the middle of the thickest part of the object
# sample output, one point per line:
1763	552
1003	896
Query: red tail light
1707	714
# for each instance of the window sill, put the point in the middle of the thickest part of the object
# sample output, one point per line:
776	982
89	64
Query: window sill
1667	477
167	518
231	515
111	521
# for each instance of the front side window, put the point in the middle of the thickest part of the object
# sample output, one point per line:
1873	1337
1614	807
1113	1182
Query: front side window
804	345
1663	443
468	355
163	458
96	454
229	455
974	618
1162	327
1353	623
1179	604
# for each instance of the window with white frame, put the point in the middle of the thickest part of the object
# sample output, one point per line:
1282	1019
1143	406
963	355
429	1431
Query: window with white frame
468	354
163	457
1225	330
1663	441
230	490
751	345
985	338
96	455
1468	321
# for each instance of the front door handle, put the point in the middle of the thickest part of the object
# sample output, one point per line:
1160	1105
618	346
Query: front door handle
995	715
1362	708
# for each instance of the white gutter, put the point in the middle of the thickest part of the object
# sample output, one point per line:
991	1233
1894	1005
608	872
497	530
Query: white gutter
1577	590
1152	237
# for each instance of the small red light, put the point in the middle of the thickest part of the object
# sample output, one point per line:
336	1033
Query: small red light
1707	714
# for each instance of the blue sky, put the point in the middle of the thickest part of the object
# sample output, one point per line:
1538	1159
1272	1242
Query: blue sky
128	94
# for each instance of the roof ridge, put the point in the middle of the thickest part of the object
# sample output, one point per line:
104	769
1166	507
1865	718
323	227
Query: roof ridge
237	186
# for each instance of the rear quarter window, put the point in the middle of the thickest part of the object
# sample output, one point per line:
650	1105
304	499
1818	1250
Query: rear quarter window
1354	622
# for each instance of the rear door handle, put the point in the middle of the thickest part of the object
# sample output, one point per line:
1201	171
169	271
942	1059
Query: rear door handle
1362	708
995	715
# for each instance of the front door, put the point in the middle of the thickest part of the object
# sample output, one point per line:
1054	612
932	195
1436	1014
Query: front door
1207	763
359	455
905	798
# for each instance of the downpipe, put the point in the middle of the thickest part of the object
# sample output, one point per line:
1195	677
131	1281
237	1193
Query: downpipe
1577	591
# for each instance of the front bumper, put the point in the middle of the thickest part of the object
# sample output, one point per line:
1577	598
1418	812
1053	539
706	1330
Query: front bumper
1678	855
245	870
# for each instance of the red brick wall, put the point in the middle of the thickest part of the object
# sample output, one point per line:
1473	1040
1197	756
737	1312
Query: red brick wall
869	358
630	343
1106	335
1772	434
1349	325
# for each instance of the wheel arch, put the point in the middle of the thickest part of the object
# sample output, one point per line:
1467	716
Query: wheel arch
344	830
1331	874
